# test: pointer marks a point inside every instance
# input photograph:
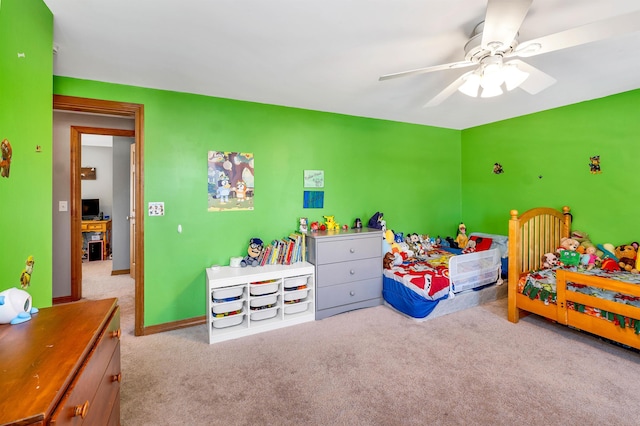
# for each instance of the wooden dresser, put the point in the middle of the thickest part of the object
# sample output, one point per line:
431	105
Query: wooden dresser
348	269
62	367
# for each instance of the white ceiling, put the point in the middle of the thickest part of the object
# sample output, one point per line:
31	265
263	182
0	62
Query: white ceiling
327	55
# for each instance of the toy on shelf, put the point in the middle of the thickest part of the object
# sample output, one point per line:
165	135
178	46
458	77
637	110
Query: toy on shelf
253	253
357	224
25	277
330	223
315	226
303	225
377	222
15	306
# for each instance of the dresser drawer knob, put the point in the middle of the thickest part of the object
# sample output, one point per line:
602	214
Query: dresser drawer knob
352	272
116	334
117	378
81	410
352	250
353	293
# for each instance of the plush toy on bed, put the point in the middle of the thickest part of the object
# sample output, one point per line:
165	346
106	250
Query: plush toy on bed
589	258
568	254
626	254
583	239
461	238
470	247
549	260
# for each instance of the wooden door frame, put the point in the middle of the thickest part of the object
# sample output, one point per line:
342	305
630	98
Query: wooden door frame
121	109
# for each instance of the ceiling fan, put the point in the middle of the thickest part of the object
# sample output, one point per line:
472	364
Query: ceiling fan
494	44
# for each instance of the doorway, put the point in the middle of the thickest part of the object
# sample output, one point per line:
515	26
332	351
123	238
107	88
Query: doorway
100	107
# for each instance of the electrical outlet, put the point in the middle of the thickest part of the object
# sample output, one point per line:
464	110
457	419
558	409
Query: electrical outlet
62	206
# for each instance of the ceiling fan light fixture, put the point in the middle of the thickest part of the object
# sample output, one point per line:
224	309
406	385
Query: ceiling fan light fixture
513	76
491	91
492	76
471	85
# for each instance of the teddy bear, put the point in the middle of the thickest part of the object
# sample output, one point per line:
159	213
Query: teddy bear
568	253
549	260
626	254
387	260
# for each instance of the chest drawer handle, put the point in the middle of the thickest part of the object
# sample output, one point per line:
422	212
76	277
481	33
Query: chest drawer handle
352	272
116	334
117	378
352	250
353	293
81	410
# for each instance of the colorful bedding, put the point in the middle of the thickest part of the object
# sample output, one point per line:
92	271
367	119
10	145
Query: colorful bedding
429	276
541	285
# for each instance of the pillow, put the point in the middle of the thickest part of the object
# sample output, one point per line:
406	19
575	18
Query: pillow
482	243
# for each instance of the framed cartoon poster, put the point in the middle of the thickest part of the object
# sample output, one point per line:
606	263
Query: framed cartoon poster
230	181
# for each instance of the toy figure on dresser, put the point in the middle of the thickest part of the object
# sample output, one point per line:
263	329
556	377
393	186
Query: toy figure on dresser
253	253
357	224
314	226
303	225
331	223
377	222
15	306
25	277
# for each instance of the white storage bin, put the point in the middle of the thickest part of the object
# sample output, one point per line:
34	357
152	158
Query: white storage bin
263	314
228	321
295	282
227	292
295	294
294	308
224	307
266	287
257	302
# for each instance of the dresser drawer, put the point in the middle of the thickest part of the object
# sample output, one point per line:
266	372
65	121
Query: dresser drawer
337	273
103	405
347	249
349	293
81	393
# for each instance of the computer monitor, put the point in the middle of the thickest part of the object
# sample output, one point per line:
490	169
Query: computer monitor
90	208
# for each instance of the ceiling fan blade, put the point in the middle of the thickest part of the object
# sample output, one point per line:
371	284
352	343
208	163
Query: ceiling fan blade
599	30
502	22
537	81
448	91
452	65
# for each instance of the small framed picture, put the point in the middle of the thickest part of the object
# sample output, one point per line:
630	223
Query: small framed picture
314	178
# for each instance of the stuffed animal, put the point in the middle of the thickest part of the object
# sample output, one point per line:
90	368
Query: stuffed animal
584	240
253	253
15	306
461	238
387	260
568	253
626	254
25	276
470	248
549	260
376	221
330	223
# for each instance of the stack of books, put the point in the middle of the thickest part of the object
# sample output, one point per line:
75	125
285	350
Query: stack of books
285	251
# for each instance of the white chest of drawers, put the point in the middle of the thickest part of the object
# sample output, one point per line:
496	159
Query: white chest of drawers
348	269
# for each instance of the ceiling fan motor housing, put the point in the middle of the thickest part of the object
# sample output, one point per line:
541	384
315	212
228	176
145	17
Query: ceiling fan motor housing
474	52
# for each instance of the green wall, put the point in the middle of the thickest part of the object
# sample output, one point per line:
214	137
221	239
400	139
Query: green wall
409	172
545	157
26	64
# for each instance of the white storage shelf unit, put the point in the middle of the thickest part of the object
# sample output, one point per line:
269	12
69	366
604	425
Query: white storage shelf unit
245	301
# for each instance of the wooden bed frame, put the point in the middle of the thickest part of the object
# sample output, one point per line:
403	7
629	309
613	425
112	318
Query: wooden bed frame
538	231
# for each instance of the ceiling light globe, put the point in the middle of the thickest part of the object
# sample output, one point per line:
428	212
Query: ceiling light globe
471	85
492	76
491	91
513	76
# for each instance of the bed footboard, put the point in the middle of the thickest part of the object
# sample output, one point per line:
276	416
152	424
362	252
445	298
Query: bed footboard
613	315
532	234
